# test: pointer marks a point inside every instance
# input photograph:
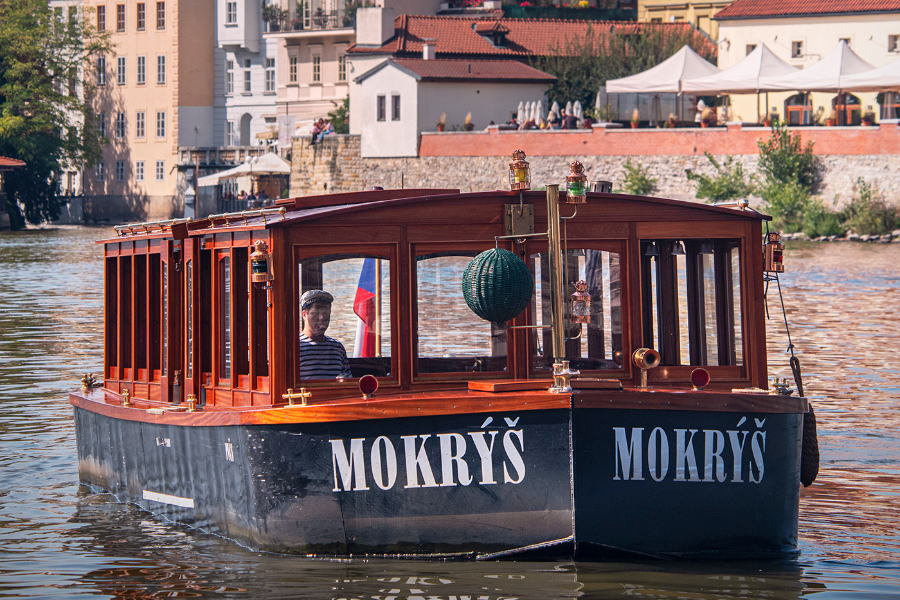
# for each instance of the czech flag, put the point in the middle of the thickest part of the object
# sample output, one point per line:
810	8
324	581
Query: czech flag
364	307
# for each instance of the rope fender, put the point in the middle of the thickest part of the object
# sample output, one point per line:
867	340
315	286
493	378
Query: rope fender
809	450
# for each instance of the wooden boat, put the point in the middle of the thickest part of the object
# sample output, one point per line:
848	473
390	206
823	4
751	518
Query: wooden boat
482	440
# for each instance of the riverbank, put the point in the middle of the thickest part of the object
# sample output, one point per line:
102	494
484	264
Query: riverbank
893	237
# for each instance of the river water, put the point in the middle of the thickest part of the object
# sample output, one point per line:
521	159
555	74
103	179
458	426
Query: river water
58	540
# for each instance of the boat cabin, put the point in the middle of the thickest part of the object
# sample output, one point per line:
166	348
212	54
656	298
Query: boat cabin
200	311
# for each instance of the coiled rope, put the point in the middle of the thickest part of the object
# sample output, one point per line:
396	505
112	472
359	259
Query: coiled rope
809	449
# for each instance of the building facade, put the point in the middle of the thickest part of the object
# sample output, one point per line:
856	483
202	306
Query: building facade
802	32
699	14
154	93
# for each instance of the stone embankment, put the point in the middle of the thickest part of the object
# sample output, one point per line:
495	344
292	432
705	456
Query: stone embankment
887	238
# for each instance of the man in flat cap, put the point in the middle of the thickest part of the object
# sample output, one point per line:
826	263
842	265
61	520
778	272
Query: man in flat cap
321	357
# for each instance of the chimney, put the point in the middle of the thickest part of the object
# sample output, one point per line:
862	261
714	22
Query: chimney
429	49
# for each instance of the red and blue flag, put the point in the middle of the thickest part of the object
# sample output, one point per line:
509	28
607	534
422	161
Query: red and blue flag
364	307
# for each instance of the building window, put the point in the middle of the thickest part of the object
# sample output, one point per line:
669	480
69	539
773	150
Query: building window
395	107
120	170
292	69
229	133
141	16
120	126
101	18
101	70
231	13
120	70
139	124
160	124
270	74
141	70
750	48
101	124
796	49
247	75
380	110
161	69
160	170
139	170
120	17
845	40
342	67
316	68
160	15
229	76
894	43
101	171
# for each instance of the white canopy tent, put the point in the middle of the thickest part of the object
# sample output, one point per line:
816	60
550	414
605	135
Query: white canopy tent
665	77
827	75
882	79
743	78
267	164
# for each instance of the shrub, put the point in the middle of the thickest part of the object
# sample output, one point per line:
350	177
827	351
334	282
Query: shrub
868	212
784	159
340	116
728	183
819	220
787	203
637	180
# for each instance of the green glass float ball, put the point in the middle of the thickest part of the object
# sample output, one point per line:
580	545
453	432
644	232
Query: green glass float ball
497	285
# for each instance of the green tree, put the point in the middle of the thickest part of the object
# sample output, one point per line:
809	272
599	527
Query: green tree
45	57
340	116
728	184
637	180
584	63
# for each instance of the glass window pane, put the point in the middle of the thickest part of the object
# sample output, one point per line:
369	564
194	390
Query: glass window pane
589	346
709	299
736	305
225	317
451	338
358	323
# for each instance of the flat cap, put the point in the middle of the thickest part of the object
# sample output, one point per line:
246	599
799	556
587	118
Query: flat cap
312	296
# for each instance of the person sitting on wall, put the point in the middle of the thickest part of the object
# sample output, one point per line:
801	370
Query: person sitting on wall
321	357
327	129
570	121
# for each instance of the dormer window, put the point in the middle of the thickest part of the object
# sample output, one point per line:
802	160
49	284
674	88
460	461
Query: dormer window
493	31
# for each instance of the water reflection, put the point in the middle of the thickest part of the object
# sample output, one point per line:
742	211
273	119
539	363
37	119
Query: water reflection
60	541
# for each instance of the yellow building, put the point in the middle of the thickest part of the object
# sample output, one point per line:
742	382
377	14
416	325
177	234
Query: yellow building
154	93
698	13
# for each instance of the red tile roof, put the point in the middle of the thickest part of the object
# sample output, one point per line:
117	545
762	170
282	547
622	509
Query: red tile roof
457	37
750	9
473	70
10	163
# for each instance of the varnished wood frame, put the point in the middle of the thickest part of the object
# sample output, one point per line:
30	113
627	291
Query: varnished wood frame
288	359
616	245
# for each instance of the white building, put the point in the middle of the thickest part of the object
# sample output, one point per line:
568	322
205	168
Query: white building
401	97
802	33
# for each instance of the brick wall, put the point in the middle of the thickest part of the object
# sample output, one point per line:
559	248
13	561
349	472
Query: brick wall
479	160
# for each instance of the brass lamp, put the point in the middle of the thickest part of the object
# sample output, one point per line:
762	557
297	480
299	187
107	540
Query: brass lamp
519	173
581	303
259	263
576	184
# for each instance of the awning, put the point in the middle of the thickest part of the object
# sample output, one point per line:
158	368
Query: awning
267	164
744	77
827	75
666	77
882	79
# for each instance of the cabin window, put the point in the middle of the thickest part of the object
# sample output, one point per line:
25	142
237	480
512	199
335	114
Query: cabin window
451	338
165	318
112	321
140	317
206	317
189	318
590	346
360	317
154	321
125	338
692	301
225	317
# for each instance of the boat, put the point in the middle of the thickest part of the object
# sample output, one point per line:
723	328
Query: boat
611	401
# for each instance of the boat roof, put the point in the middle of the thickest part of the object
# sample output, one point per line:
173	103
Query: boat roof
311	208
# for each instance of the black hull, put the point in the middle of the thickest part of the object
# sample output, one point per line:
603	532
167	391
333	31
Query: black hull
582	483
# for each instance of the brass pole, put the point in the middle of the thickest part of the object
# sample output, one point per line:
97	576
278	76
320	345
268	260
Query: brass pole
557	311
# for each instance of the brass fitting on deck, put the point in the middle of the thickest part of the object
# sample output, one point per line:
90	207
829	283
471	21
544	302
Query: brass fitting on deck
87	381
291	396
192	403
645	359
561	376
126	400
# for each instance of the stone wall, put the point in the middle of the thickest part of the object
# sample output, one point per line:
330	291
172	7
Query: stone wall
334	165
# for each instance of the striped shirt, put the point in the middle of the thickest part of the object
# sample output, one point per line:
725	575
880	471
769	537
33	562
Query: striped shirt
323	360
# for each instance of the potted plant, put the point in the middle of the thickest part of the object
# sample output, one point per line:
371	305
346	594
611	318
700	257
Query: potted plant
635	118
442	122
708	117
830	120
868	118
670	122
468	125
